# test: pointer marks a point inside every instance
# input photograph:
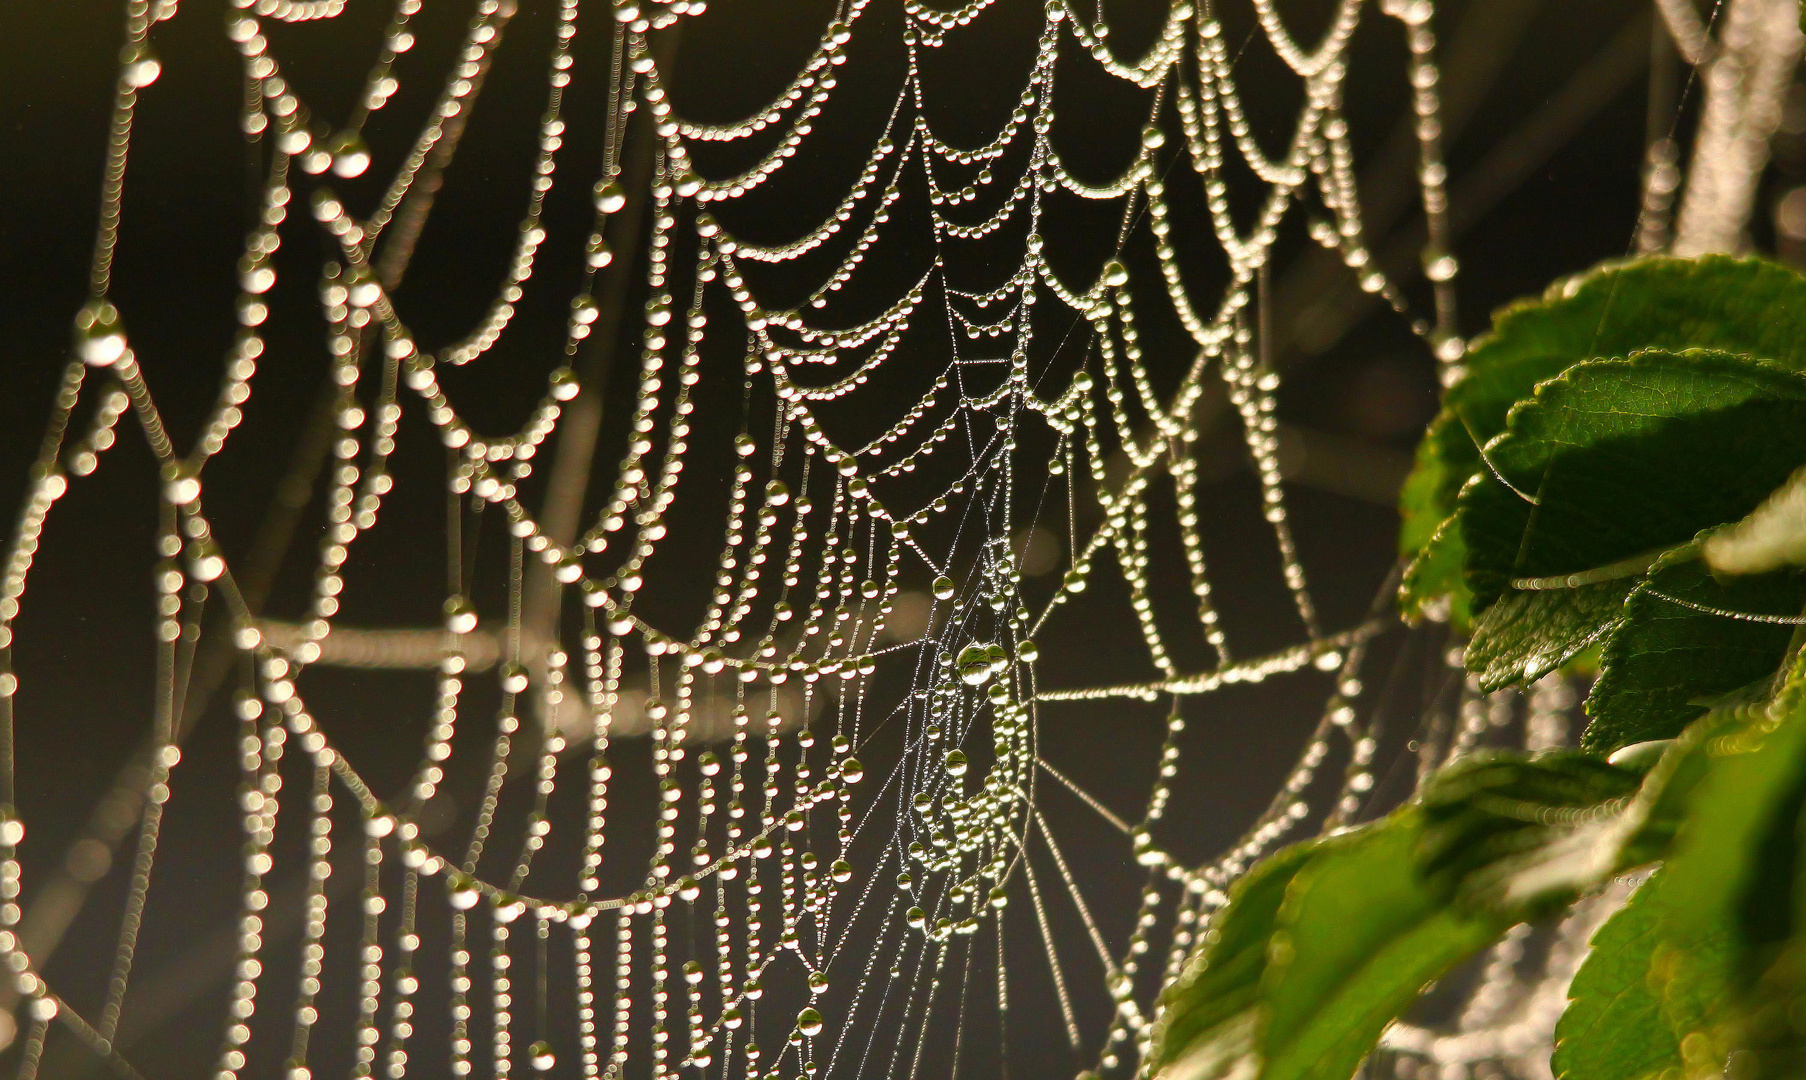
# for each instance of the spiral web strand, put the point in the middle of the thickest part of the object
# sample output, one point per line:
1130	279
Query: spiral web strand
800	914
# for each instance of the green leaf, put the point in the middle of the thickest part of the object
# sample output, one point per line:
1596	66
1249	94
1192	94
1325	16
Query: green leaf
1735	851
1772	536
1211	1009
1431	586
1337	976
1604	469
1614	1028
1742	306
1616	460
1694	985
1730	896
1523	835
1325	944
1528	633
1319	949
1668	662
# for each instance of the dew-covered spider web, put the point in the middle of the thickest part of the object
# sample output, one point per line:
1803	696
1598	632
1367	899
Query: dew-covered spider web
736	660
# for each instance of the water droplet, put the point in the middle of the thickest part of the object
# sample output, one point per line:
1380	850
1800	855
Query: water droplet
182	488
841	871
583	313
514	678
1439	266
564	384
460	616
139	66
257	278
363	290
350	157
852	771
817	983
1027	652
956	763
916	917
610	197
541	1055
1116	275
999	657
1074	581
99	337
744	445
776	494
975	664
464	895
999	898
809	1022
730	1018
943	588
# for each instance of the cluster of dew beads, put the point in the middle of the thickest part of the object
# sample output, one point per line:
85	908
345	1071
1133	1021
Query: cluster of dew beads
968	822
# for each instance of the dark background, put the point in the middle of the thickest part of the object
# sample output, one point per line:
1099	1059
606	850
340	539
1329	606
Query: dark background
1547	114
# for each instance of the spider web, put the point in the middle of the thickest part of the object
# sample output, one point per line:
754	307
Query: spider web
757	783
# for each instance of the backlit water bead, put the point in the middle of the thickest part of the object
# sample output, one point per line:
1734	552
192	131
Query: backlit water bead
99	336
610	197
1027	652
363	290
943	588
540	1053
514	677
350	157
955	763
139	66
852	771
975	665
841	871
563	384
462	892
460	616
182	487
809	1022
